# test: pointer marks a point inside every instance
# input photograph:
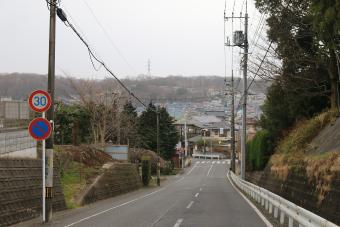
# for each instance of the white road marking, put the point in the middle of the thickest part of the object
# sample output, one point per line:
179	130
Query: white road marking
223	162
196	195
203	162
218	162
209	170
179	222
179	180
264	219
213	162
115	207
192	168
158	219
190	204
200	189
198	162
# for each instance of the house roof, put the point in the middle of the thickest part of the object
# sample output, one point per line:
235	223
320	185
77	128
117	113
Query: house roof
217	125
216	113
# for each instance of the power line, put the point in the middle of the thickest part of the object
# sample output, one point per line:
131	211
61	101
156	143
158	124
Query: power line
62	16
108	36
263	59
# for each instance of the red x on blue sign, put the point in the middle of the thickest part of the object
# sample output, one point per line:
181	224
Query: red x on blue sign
40	128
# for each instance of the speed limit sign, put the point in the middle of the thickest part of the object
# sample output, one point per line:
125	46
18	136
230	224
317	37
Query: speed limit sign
40	101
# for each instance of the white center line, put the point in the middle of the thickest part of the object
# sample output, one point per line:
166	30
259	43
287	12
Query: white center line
190	204
179	222
209	170
197	194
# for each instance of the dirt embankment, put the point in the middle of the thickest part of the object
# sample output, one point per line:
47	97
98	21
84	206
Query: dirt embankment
305	168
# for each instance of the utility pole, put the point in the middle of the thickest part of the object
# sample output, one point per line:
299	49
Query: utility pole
240	40
245	93
158	153
50	112
185	140
233	152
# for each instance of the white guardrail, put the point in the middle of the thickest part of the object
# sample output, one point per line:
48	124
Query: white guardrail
206	156
275	204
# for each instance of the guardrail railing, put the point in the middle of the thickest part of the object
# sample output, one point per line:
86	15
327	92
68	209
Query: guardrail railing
207	156
280	207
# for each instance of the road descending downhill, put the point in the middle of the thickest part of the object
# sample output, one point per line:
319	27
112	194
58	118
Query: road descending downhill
202	196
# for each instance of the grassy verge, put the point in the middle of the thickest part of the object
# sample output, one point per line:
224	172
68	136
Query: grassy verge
74	179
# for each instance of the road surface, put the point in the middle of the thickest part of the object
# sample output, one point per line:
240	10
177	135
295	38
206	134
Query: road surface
202	196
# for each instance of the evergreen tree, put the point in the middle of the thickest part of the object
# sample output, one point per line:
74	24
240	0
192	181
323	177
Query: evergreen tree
129	120
72	124
147	131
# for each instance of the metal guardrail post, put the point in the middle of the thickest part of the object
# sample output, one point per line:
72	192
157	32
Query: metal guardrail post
282	217
290	222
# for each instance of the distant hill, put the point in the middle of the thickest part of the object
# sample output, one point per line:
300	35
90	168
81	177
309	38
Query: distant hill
18	86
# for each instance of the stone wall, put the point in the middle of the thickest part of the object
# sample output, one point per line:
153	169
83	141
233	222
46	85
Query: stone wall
21	190
119	178
298	189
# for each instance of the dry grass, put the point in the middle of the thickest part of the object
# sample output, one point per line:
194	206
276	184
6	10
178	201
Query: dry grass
320	168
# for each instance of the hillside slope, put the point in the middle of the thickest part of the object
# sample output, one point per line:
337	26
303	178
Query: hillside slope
305	168
180	88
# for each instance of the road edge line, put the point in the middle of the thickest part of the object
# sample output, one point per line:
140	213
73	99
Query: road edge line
115	207
258	212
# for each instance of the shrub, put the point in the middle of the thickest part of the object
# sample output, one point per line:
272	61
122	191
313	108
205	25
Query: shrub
259	150
168	167
146	170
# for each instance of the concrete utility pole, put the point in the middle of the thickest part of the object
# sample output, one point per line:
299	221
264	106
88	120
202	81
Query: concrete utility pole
50	112
242	44
245	93
158	153
233	153
185	140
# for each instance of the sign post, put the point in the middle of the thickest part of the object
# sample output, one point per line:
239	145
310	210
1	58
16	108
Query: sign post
40	129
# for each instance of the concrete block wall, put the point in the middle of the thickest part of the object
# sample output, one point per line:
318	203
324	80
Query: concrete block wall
21	190
298	189
118	179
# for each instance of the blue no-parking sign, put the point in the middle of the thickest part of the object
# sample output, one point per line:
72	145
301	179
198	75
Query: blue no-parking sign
40	128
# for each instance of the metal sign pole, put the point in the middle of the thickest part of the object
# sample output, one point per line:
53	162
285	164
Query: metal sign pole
43	176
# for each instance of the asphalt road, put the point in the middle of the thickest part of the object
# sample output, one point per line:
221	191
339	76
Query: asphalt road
202	196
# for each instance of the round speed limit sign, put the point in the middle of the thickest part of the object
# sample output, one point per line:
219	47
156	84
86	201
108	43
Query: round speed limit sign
40	101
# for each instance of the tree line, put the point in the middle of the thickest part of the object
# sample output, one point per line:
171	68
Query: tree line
304	38
111	117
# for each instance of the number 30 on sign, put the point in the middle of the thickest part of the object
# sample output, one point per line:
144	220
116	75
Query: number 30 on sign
39	101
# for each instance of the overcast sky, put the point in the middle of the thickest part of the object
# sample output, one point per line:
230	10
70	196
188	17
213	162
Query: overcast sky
181	37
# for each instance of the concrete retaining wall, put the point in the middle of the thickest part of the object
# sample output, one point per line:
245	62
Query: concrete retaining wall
117	179
298	189
21	190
